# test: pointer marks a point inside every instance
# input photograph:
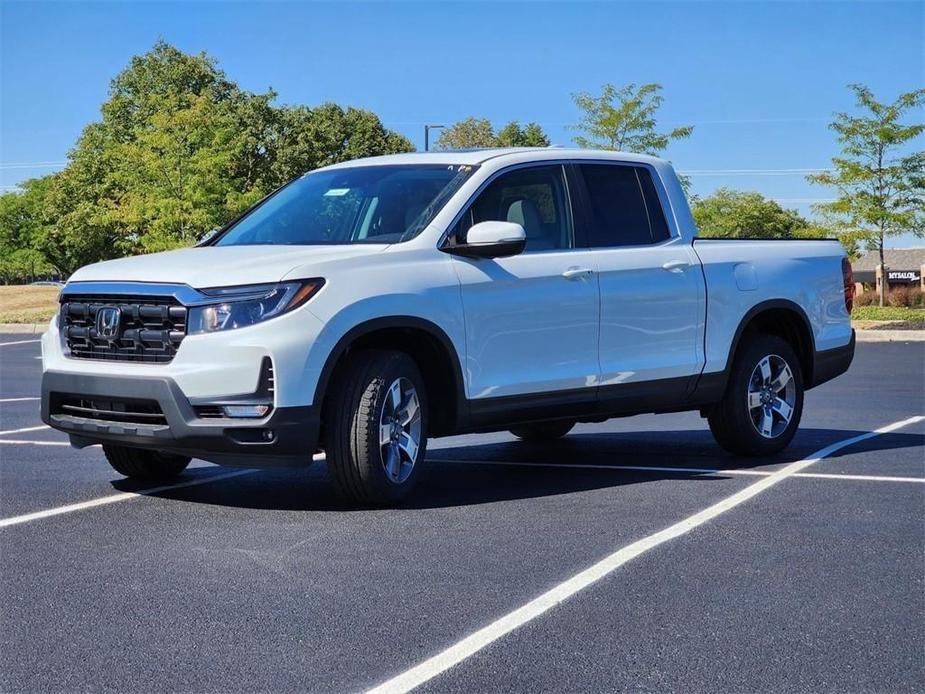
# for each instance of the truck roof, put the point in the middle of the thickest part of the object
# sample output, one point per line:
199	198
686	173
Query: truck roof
479	156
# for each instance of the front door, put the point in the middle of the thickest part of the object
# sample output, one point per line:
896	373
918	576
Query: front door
532	319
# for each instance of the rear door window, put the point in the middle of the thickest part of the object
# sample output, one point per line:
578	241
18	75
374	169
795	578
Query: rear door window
624	206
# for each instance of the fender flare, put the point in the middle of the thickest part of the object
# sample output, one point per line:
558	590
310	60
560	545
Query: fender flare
768	305
391	322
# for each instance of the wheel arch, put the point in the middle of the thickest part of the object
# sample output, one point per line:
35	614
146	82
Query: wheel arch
426	343
785	319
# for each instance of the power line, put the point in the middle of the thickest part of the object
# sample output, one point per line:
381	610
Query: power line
31	164
752	172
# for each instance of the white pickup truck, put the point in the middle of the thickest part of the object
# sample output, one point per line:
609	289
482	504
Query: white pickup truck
367	306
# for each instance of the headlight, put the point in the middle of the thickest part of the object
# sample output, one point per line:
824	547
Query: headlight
238	307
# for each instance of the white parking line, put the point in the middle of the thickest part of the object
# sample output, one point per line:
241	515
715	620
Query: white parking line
17	399
682	470
114	498
23	431
17	342
461	650
21	442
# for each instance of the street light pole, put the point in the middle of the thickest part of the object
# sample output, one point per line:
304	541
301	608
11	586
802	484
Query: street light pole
427	129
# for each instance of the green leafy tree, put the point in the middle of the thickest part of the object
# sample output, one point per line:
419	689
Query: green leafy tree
473	133
746	215
181	149
880	183
19	224
512	135
624	119
467	134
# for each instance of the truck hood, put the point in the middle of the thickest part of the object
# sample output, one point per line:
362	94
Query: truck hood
217	266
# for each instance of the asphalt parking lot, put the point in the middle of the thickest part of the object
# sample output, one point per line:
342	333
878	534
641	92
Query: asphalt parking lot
707	572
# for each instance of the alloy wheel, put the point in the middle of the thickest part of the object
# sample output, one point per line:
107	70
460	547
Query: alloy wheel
771	396
400	430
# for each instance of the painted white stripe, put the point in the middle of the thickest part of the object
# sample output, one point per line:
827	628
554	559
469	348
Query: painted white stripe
860	478
17	342
631	468
475	642
114	499
17	399
23	431
34	443
682	470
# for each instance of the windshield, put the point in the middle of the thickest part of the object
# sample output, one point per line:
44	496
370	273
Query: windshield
363	204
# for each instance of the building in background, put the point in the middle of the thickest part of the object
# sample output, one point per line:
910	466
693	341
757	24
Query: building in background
904	266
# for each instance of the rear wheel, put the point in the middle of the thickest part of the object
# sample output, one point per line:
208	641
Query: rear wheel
543	431
761	409
144	464
376	427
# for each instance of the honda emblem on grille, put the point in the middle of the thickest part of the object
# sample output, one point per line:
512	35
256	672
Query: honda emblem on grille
108	319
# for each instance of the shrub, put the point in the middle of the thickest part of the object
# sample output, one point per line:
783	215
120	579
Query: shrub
866	299
898	298
916	297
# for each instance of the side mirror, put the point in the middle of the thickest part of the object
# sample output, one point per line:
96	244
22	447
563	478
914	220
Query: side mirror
491	240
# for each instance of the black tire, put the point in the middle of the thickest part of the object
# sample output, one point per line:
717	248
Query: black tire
543	431
357	461
731	420
144	464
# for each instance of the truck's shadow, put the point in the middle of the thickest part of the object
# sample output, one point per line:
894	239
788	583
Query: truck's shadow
477	474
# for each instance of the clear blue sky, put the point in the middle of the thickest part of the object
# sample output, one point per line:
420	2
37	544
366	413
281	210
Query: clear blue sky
758	80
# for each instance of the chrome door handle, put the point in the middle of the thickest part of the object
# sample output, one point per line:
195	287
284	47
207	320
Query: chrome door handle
575	273
676	265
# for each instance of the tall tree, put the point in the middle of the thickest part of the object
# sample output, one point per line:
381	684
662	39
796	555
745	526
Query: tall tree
879	182
624	119
181	149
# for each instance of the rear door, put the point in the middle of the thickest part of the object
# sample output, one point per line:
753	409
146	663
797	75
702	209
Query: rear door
532	319
651	284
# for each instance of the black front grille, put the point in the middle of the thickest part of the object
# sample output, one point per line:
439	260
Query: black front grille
126	410
150	329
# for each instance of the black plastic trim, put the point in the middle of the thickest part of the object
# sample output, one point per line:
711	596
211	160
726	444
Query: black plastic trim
588	404
830	363
225	441
392	322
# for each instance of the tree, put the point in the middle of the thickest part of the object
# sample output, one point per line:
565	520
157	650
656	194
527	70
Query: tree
740	215
19	224
179	149
512	135
473	133
624	119
880	184
468	134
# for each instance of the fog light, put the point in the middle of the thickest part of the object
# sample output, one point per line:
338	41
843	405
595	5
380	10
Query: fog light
253	411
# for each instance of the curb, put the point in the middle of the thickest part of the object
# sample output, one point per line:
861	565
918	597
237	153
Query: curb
890	335
23	328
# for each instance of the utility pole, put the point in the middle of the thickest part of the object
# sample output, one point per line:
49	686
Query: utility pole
427	129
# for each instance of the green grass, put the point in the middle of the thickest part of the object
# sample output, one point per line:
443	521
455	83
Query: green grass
888	313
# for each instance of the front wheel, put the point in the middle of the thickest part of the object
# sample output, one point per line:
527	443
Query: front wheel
143	464
376	427
761	409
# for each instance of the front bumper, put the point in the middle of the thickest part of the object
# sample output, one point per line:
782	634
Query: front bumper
288	436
